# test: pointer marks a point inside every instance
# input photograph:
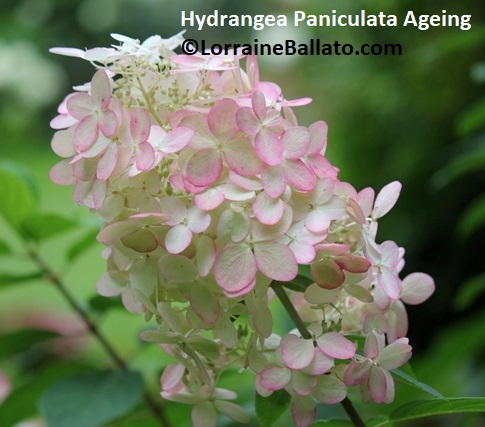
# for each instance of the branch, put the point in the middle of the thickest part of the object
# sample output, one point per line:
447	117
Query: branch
119	362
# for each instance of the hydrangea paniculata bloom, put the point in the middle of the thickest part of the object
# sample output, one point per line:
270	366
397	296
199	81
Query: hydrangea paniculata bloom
209	190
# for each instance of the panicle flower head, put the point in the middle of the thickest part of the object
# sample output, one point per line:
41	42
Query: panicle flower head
209	190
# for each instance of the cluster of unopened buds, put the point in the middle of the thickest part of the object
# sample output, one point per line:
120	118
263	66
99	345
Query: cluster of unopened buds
212	197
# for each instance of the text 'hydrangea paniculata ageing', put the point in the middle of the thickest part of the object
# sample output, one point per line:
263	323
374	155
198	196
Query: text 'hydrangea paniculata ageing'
210	191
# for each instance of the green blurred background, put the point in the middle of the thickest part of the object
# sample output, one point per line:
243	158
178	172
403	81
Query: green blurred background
418	118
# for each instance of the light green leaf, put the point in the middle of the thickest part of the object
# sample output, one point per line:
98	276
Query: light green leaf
11	279
401	376
427	408
22	402
83	244
15	342
17	198
91	400
269	409
4	248
469	292
43	226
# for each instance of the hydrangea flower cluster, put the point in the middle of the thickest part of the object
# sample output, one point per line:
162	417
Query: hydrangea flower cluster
211	193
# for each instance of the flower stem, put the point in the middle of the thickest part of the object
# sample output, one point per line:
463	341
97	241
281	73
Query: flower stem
54	279
300	325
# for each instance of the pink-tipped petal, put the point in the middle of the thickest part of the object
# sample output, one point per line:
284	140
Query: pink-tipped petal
336	345
274	181
235	268
241	158
276	261
101	89
204	167
395	355
303	411
222	119
275	378
386	199
269	147
85	134
296	142
299	175
80	105
417	288
108	161
297	352
268	210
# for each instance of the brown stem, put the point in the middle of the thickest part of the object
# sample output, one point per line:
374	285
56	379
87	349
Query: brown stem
119	362
352	413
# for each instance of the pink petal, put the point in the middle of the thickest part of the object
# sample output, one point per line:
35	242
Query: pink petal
304	252
209	199
295	142
145	156
101	89
61	143
269	147
80	105
378	384
139	125
275	378
386	199
417	288
297	352
109	284
352	263
173	209
397	318
259	105
108	161
172	376
316	221
395	355
275	261
267	210
303	411
302	383
241	158
318	142
177	239
235	268
336	345
222	119
62	174
247	121
320	363
274	181
85	134
365	199
389	283
204	167
108	123
299	175
356	372
176	139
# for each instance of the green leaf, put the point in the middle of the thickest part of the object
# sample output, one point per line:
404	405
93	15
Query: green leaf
91	400
17	197
427	408
269	409
102	304
83	244
12	343
298	284
469	292
407	379
11	279
4	248
472	120
43	226
22	402
333	423
473	218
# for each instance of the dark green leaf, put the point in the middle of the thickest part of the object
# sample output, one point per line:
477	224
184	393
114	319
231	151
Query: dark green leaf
269	409
22	402
43	226
17	199
473	218
10	279
91	400
469	292
82	244
426	408
103	304
298	284
407	379
21	340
